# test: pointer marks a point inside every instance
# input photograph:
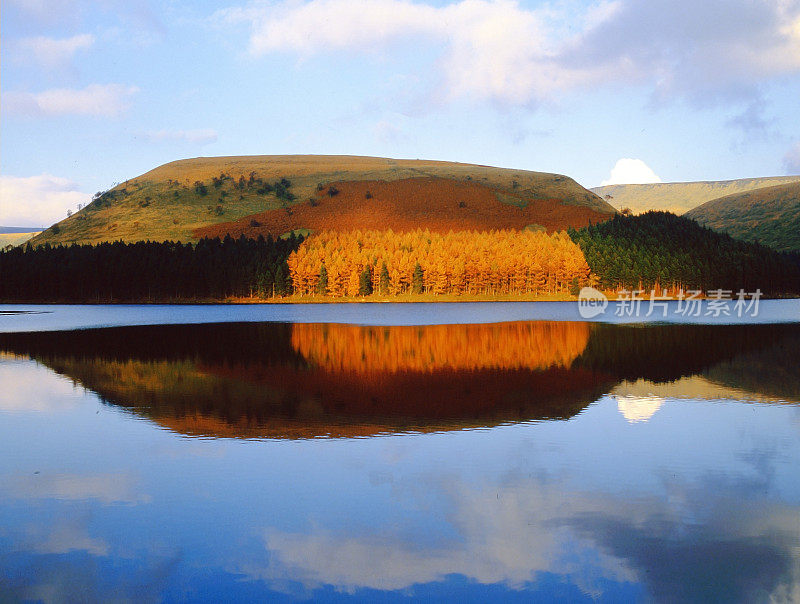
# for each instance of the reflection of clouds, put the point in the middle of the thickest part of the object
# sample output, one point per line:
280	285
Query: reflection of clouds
505	535
29	387
638	408
106	488
64	536
707	543
83	578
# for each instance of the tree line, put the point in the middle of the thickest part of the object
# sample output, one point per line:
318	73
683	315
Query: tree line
148	271
662	250
361	263
653	250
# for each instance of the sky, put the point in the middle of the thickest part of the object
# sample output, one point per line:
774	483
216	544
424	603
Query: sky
620	91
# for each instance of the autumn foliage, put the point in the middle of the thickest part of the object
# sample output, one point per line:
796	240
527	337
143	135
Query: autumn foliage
466	262
369	349
437	204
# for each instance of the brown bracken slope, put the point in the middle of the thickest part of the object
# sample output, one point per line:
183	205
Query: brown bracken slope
183	199
438	204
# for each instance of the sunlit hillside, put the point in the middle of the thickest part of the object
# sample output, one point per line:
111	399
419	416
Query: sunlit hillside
680	197
14	239
187	199
770	215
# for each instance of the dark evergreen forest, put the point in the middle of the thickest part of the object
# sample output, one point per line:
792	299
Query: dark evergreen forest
660	249
146	271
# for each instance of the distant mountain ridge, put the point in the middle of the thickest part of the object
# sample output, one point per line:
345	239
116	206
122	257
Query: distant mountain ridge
680	197
7	230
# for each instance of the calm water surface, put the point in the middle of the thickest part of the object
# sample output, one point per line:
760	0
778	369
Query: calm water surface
44	317
520	460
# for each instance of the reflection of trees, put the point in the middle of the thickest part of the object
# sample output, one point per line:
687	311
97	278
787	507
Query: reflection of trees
248	380
282	380
518	345
773	371
663	353
260	343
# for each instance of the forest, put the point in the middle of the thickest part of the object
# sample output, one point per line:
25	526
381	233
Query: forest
148	272
664	251
357	263
653	250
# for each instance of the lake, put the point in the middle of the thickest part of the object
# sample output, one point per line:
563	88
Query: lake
472	452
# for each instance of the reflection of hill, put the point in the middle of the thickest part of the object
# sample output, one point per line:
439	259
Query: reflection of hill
299	381
664	353
519	345
772	372
701	387
248	380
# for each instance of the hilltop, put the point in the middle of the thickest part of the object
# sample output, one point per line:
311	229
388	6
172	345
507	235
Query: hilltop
680	197
254	195
770	215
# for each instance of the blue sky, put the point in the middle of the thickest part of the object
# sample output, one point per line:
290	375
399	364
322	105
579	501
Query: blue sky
96	92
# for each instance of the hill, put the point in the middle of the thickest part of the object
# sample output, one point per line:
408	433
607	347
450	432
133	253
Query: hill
661	250
770	215
187	199
16	237
680	197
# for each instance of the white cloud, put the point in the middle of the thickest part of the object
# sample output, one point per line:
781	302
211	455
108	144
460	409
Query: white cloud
202	136
100	100
492	49
106	488
630	171
509	533
388	132
52	52
791	161
498	50
30	388
37	200
67	535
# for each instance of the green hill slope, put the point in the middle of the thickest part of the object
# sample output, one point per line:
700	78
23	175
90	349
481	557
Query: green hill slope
770	215
176	200
680	197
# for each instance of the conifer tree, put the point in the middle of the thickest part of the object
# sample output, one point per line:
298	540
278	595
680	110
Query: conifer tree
322	282
384	280
417	280
365	282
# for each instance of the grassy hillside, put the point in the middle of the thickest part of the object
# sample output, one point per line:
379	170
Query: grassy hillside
180	200
770	215
680	197
16	238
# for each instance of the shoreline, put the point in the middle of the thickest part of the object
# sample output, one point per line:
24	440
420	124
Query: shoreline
301	300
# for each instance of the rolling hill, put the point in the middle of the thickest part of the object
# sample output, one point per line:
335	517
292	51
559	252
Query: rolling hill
680	197
12	236
254	195
770	215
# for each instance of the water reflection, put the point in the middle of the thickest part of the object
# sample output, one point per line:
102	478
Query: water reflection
661	486
309	380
